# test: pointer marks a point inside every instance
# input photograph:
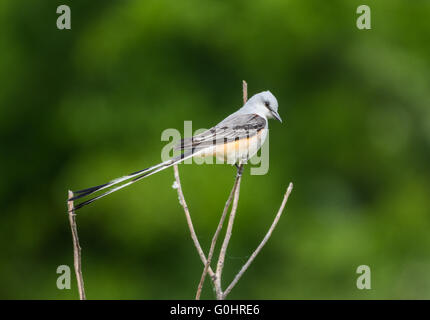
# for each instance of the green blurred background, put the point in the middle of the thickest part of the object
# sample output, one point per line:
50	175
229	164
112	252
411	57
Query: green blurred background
80	107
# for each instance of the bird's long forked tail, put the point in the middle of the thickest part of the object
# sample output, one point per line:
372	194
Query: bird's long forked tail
129	179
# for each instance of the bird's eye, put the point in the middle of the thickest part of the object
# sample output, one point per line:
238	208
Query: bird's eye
267	104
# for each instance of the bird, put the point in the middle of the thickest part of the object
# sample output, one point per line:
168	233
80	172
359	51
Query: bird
236	139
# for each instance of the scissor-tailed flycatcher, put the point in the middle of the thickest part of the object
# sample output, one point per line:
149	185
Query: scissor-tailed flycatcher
237	138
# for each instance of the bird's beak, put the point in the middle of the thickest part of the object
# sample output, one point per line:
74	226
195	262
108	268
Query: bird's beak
276	116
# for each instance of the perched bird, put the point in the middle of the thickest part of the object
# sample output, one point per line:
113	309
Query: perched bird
236	139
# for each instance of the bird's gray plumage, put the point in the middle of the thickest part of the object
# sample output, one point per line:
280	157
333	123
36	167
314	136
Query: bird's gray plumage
230	129
246	122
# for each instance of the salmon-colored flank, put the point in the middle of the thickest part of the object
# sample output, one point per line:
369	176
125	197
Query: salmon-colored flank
235	147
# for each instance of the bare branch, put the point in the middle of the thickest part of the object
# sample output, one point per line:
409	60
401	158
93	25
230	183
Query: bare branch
233	197
227	237
76	247
189	221
217	279
215	238
244	91
261	245
217	284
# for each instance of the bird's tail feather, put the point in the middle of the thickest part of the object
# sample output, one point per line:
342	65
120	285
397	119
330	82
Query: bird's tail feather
131	178
86	192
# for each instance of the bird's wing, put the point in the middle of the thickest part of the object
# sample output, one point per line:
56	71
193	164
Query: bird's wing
235	127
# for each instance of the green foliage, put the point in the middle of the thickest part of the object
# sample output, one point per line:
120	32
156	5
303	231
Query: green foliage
80	107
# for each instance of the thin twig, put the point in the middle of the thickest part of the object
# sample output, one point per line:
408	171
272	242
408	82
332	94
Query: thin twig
261	245
223	251
234	196
215	238
244	91
189	221
217	284
76	247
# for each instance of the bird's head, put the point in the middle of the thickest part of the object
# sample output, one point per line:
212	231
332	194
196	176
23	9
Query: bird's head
265	103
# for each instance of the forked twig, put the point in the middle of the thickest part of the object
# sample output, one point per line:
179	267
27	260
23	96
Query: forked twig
217	284
215	238
76	247
263	242
233	197
223	251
